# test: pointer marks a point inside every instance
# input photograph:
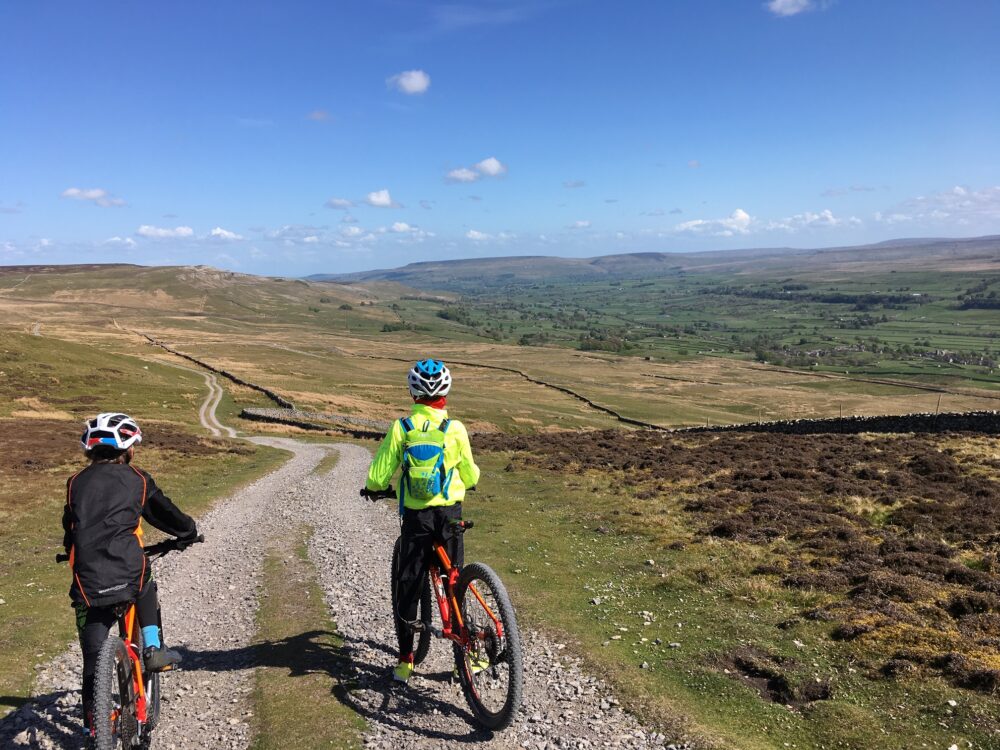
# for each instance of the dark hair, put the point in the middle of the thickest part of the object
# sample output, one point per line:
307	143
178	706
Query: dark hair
105	453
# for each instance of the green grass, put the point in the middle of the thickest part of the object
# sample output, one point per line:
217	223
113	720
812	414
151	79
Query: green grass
295	706
538	531
327	463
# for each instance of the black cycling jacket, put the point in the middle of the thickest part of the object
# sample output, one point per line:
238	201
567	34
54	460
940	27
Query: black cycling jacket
102	520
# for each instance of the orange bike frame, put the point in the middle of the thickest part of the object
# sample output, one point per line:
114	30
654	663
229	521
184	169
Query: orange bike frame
137	682
447	603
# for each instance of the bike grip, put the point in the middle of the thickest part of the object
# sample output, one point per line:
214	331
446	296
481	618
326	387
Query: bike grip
61	558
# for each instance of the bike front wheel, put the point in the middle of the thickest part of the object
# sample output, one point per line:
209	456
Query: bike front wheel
491	661
115	724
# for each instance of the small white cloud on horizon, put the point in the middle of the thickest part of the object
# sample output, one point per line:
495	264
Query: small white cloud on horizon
410	82
341	203
811	220
581	224
224	234
786	8
573	184
98	196
381	199
160	233
462	174
477	236
352	230
124	241
492	167
738	222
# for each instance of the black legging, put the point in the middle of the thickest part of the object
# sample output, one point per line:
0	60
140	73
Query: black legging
93	625
420	527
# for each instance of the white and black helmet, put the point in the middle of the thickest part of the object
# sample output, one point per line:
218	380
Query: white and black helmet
113	429
429	378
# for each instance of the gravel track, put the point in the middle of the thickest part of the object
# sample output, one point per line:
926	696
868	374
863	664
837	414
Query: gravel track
209	599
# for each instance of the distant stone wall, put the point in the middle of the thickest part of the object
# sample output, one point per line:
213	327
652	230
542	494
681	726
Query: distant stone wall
355	427
276	398
984	422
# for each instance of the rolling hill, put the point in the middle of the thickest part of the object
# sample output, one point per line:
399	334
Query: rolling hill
972	254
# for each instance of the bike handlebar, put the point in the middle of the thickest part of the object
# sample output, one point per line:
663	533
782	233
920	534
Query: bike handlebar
161	548
389	493
377	494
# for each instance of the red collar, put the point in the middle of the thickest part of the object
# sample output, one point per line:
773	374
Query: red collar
435	403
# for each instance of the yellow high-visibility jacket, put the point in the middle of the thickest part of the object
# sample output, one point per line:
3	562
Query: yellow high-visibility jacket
457	455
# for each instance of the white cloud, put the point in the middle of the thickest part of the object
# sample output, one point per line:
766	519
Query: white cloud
352	231
402	226
342	203
571	184
311	239
98	196
581	224
462	174
958	208
160	233
738	222
477	236
122	241
488	167
410	82
381	199
789	7
811	220
224	234
492	167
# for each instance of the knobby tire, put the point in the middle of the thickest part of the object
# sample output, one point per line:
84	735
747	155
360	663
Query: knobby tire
422	642
113	695
505	654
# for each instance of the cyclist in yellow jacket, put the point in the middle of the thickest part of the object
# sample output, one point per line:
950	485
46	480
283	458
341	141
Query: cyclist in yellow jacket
438	467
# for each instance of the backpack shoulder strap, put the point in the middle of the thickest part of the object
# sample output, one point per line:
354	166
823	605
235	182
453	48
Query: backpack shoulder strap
444	425
407	423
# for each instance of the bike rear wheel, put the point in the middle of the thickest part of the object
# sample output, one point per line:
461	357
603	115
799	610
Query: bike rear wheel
115	723
422	641
491	665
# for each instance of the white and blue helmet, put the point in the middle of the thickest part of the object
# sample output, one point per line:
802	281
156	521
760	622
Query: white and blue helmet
429	378
113	429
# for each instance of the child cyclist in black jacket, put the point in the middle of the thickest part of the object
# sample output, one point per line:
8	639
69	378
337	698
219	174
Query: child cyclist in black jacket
102	521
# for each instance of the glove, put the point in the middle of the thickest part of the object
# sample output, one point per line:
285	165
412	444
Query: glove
184	542
365	492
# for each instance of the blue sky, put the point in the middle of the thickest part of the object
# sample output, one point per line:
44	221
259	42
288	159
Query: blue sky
303	137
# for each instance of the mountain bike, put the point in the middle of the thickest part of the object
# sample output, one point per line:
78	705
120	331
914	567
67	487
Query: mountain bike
476	615
126	699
